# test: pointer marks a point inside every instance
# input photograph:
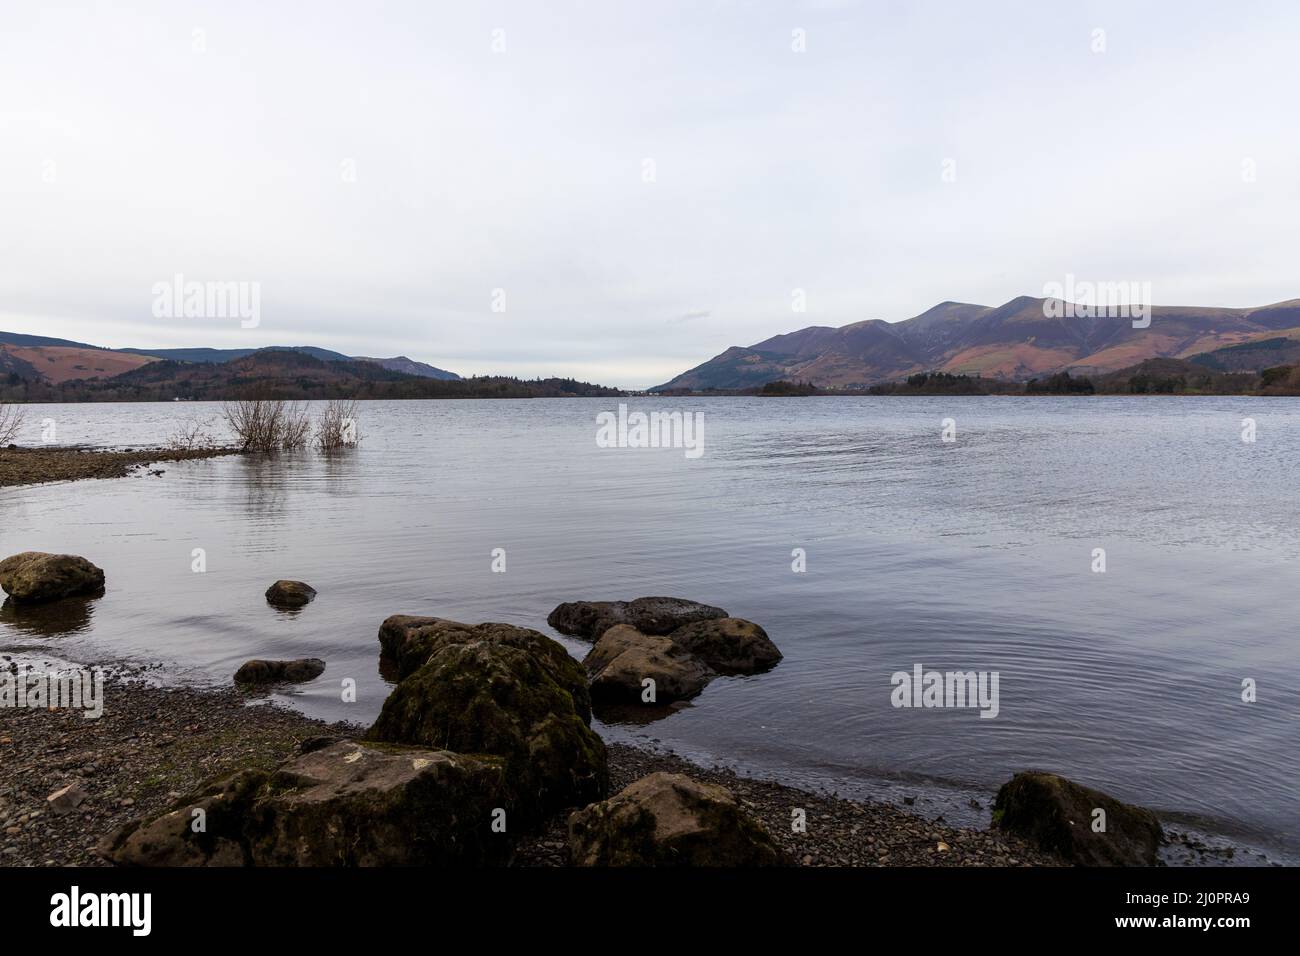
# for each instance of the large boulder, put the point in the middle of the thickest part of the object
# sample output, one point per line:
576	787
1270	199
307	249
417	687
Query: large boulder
496	689
649	615
280	672
345	804
290	594
624	658
1057	815
668	819
410	641
729	645
34	576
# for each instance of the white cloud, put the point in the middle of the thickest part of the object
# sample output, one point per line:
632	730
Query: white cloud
523	170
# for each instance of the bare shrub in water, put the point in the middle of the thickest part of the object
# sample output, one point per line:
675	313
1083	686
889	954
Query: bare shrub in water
295	426
337	427
264	426
11	420
191	436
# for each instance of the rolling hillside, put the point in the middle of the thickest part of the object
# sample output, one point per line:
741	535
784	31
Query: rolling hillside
280	374
61	360
1016	341
58	363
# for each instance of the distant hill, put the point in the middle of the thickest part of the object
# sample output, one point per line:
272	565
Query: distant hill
17	338
412	367
399	364
229	355
1015	341
60	366
280	374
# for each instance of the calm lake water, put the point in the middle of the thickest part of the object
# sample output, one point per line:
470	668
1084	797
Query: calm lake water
970	555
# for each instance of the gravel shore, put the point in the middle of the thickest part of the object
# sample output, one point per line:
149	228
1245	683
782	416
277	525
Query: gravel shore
151	746
154	744
837	832
34	466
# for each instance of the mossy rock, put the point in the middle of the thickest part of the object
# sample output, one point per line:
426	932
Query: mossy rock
624	658
300	671
409	642
680	663
343	804
290	594
729	645
34	577
1057	815
668	819
508	697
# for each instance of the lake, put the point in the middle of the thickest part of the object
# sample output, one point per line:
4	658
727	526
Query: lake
973	555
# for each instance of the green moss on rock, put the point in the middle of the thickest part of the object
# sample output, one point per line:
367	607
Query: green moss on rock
344	804
485	690
409	642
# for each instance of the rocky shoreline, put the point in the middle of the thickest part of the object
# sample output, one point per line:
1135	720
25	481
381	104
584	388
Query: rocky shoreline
837	832
35	466
154	744
484	753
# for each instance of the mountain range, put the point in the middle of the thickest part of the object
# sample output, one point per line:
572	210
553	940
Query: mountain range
1024	339
56	361
1016	341
288	374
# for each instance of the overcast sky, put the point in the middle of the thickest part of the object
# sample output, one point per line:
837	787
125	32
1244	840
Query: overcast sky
647	182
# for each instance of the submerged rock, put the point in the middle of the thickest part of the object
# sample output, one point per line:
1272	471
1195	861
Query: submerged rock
681	663
35	576
290	594
345	804
502	690
280	672
1057	815
668	819
649	615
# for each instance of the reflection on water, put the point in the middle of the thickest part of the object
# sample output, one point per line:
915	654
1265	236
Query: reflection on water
635	715
55	619
975	555
285	610
340	470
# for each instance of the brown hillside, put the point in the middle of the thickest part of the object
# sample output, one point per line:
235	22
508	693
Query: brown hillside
59	364
1017	341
